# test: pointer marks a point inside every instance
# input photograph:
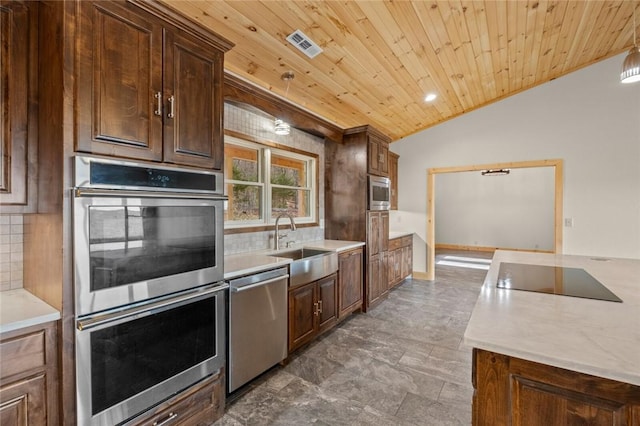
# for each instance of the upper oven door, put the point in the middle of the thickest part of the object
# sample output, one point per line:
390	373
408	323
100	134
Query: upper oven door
132	248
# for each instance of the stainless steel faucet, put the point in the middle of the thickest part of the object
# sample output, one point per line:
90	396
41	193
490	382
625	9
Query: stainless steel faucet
277	236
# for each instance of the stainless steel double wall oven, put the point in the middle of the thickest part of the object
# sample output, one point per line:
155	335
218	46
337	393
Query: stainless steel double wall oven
150	296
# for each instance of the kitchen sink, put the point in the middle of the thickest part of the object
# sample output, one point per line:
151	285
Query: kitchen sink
309	264
301	253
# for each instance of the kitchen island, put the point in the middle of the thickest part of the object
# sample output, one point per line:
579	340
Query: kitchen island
547	359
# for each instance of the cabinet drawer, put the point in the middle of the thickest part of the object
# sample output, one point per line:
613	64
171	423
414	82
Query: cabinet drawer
395	243
407	241
200	405
21	354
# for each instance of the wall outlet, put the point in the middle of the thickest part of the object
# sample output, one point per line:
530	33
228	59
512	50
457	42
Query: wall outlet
568	222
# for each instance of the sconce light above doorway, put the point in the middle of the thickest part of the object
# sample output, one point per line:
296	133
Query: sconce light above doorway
495	172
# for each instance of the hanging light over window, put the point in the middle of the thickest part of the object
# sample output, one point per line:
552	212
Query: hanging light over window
280	127
631	65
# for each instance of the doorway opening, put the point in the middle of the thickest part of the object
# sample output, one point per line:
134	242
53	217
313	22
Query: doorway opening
431	176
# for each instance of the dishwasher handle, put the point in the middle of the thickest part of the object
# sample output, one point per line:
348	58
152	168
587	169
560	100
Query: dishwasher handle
260	284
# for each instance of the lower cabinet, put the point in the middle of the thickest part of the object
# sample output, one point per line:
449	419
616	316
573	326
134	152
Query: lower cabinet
28	376
312	310
399	260
377	250
24	402
200	405
512	391
350	268
406	261
394	269
377	276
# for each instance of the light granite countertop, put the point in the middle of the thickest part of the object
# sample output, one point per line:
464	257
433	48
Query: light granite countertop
589	336
21	309
398	234
251	262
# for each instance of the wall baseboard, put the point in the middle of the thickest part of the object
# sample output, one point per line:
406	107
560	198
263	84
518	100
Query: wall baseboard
420	275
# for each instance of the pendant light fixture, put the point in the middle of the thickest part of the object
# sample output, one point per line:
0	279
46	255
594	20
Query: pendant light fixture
631	65
280	127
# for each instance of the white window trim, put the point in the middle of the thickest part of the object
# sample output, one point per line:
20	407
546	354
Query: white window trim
264	170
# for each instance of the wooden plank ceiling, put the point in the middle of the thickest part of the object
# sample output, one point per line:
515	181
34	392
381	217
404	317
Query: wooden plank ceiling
380	58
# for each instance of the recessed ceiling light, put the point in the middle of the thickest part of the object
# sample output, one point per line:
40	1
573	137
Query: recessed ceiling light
430	97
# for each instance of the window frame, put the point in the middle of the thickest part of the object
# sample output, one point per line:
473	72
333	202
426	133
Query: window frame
265	150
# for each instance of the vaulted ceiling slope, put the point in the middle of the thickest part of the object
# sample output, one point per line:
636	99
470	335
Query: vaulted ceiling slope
380	58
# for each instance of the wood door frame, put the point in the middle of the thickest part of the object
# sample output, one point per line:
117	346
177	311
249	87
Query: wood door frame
557	164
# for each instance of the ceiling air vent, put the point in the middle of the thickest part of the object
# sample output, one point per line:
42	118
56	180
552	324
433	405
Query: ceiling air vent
304	43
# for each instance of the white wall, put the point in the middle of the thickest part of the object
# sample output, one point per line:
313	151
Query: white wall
587	118
506	211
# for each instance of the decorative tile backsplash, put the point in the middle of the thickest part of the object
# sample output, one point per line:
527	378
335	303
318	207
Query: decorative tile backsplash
257	124
11	241
237	243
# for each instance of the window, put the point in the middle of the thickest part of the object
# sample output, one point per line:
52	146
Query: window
263	181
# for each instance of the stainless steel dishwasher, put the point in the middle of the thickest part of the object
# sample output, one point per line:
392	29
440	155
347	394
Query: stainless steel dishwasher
257	325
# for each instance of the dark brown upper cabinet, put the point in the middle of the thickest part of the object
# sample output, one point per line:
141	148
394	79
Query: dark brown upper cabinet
393	176
19	105
378	154
146	89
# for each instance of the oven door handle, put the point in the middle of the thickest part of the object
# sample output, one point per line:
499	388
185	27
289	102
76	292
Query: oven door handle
92	192
147	308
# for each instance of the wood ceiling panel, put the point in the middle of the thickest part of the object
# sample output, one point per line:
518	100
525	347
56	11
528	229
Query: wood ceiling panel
381	57
552	30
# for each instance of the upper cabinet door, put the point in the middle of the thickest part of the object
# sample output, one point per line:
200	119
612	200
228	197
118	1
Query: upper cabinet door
373	156
393	176
119	78
383	165
378	156
193	95
18	103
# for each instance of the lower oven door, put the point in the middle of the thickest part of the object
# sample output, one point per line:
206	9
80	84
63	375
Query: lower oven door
130	360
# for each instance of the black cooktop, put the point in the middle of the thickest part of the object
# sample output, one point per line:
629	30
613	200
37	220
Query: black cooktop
554	280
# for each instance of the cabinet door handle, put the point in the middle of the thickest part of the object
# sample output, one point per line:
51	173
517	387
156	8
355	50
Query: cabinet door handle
320	307
171	103
167	420
158	110
315	309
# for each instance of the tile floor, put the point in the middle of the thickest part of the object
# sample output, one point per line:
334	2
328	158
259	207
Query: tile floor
402	363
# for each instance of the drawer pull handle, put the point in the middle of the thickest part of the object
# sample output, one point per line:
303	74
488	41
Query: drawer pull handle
167	420
171	110
158	110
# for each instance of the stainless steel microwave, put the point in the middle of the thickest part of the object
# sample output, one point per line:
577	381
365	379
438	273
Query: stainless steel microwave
379	193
